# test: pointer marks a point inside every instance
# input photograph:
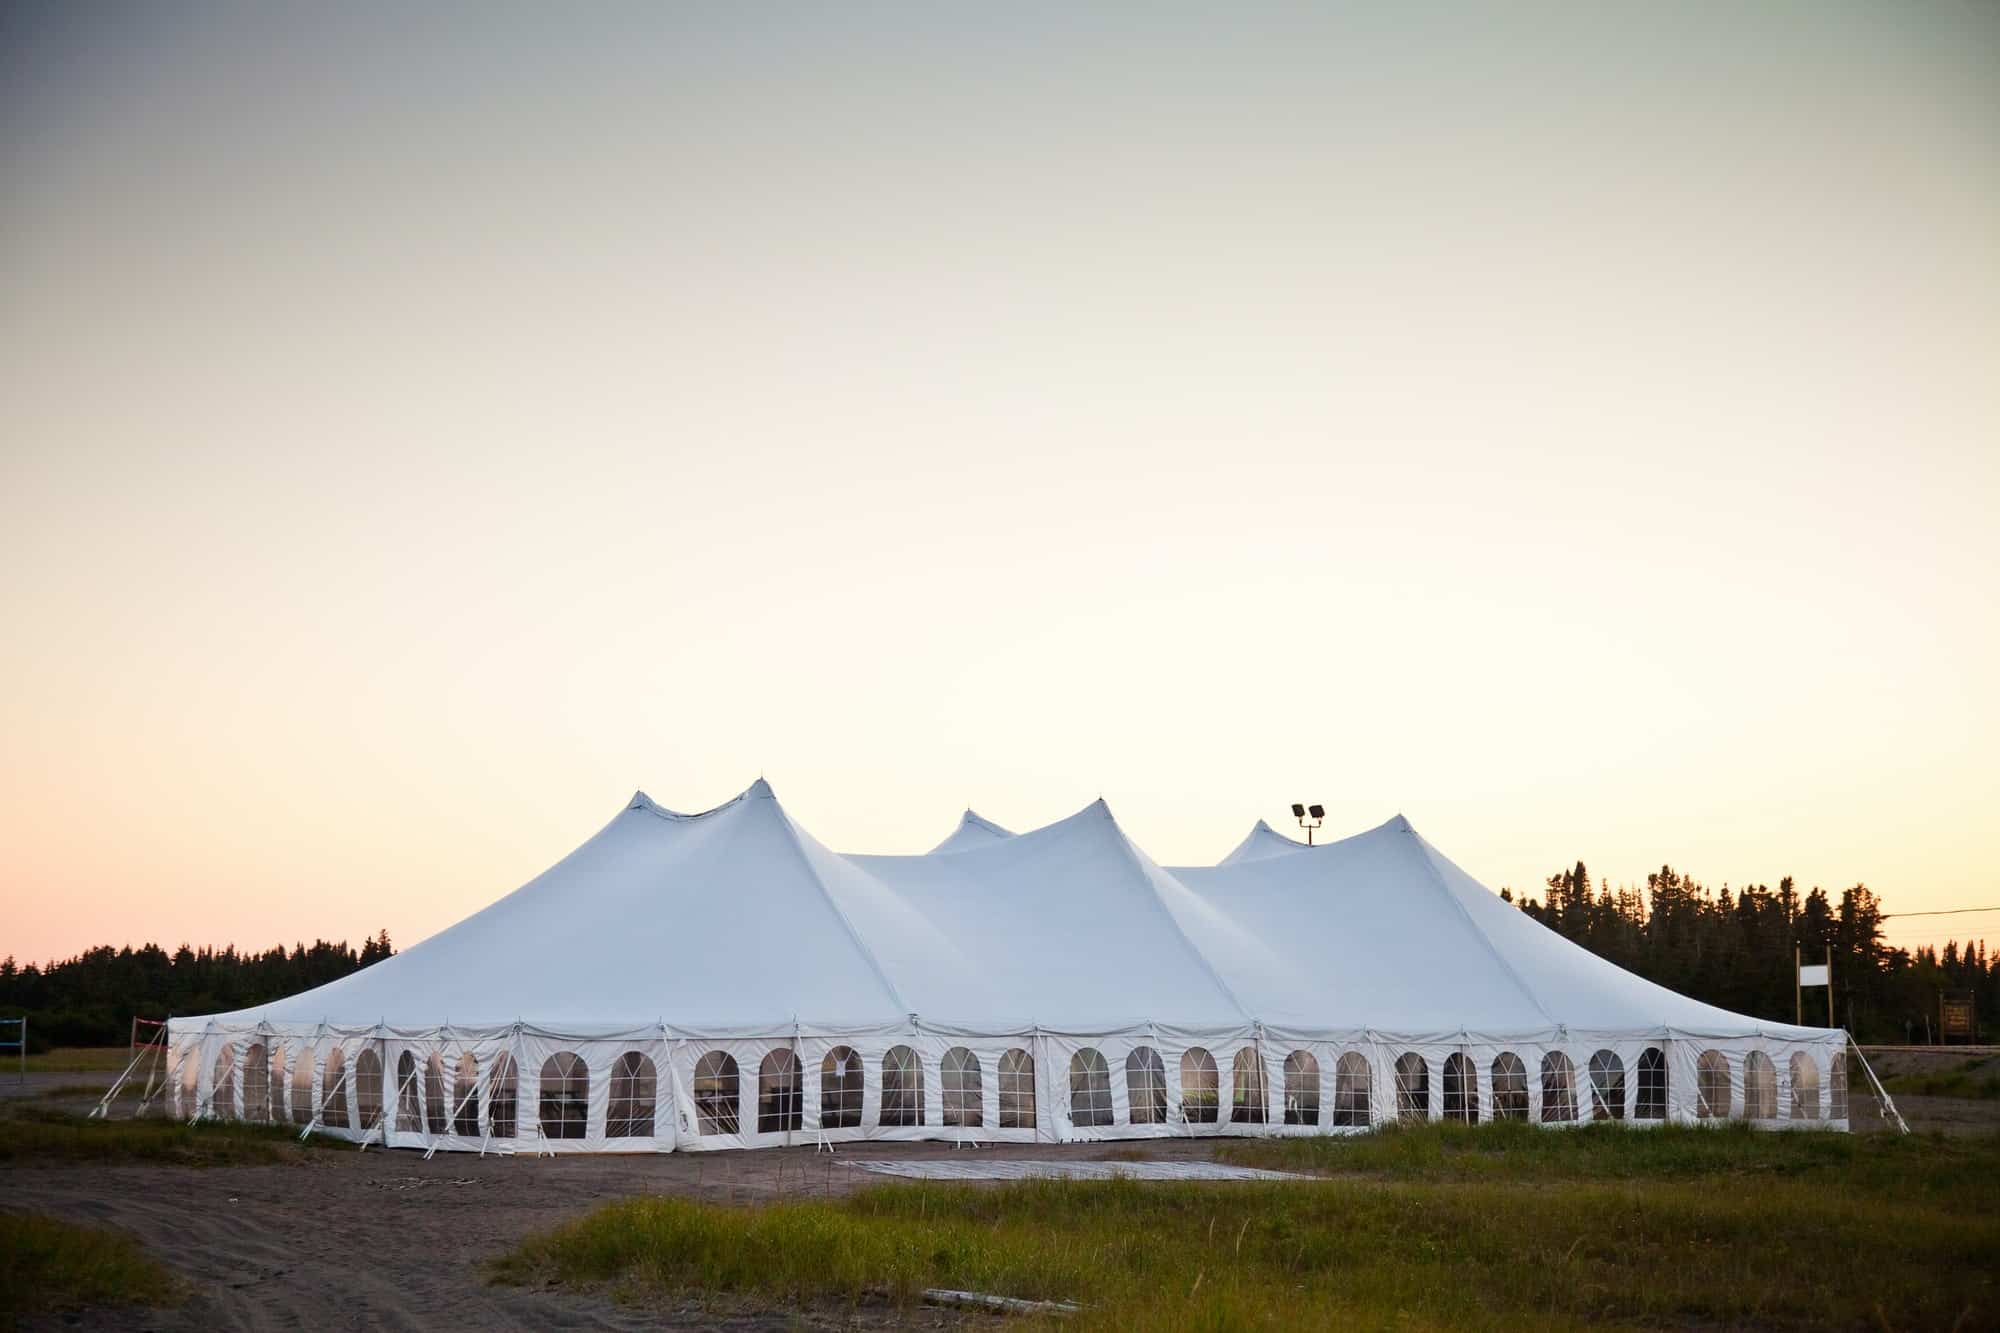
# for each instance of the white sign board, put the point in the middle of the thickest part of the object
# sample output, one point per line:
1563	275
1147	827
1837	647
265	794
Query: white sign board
1813	974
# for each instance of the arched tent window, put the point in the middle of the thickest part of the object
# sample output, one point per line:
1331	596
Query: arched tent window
902	1087
1558	1088
1301	1088
716	1094
1089	1089
1146	1086
1461	1089
368	1086
840	1079
302	1086
1510	1087
256	1082
1836	1084
781	1093
1760	1087
333	1090
635	1094
1652	1102
187	1078
222	1095
436	1113
1711	1086
964	1097
565	1096
277	1083
1607	1086
503	1094
465	1097
1017	1090
1249	1097
1413	1087
1201	1087
409	1104
1350	1090
1805	1087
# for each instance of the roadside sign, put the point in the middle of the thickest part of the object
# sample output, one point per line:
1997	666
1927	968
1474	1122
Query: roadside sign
1956	1017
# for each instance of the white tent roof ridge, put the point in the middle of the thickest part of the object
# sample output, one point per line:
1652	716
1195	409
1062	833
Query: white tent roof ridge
1263	842
1426	856
1051	911
641	801
973	830
1153	876
760	790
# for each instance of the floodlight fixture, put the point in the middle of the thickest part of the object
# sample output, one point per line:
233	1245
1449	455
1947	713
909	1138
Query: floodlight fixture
1309	817
1298	811
1316	811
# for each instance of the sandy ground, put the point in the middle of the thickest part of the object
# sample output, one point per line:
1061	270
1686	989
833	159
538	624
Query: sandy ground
386	1240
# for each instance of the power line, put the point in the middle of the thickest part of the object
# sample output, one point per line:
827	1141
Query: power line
1948	911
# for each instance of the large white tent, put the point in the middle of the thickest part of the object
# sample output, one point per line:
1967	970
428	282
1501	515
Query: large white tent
717	980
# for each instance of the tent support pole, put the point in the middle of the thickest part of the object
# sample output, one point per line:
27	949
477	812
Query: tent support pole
1882	1097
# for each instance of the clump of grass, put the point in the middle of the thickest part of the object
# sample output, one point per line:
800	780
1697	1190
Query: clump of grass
47	1264
42	1136
1706	1234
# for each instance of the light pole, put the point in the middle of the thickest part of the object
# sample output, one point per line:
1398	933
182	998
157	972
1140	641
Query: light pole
1310	817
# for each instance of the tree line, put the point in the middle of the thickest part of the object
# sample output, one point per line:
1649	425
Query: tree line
91	999
1732	949
1735	950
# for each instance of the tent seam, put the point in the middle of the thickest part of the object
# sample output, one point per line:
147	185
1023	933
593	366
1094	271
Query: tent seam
1437	878
812	872
1133	859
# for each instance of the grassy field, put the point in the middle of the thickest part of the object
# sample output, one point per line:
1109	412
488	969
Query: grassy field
37	1136
1499	1226
72	1060
1978	1077
48	1265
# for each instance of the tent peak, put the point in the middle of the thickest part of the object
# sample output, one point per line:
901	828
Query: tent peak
758	790
973	819
973	830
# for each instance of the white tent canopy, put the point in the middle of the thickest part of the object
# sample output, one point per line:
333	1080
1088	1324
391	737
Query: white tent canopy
972	831
723	979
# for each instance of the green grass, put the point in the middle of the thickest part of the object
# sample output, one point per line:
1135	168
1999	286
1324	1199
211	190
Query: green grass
93	1090
72	1060
50	1265
1434	1227
1979	1077
41	1136
1515	1150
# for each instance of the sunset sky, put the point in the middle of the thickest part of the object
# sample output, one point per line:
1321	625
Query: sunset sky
1575	427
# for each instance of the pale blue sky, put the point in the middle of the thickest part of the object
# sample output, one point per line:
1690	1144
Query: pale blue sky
1576	427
